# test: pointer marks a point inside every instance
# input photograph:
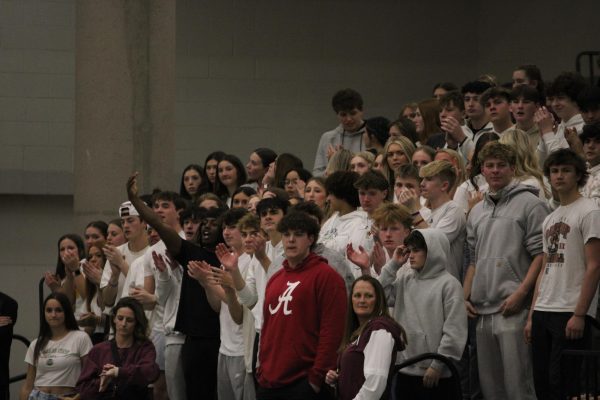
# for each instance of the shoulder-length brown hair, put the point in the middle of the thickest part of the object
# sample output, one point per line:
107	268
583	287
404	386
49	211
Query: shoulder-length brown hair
140	331
353	327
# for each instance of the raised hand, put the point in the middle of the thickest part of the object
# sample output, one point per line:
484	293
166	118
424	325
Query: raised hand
132	188
401	254
71	261
52	281
544	120
114	256
452	127
574	141
260	245
360	258
202	272
409	198
227	258
222	278
378	257
92	273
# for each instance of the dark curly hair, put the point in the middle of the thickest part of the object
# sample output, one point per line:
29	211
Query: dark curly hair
341	185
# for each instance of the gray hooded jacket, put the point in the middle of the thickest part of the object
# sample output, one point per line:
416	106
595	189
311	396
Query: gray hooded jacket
429	305
503	237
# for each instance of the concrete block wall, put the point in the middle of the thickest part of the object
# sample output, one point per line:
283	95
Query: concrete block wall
262	72
37	68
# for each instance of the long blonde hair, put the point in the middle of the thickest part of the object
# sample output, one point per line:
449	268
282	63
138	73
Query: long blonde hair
526	165
408	148
339	161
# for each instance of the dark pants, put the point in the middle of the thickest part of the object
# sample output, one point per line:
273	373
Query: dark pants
409	387
200	358
467	367
547	342
299	390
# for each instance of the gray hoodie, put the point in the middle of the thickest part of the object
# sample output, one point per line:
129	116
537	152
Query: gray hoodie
349	140
429	305
503	237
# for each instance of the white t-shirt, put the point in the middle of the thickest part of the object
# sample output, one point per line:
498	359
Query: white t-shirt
566	231
59	362
450	219
130	257
232	340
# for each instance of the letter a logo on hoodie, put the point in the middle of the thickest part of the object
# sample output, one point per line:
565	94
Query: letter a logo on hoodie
284	299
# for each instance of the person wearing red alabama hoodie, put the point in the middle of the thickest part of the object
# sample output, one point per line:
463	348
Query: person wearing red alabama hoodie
304	312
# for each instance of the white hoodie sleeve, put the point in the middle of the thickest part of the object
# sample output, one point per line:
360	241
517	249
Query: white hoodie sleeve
378	357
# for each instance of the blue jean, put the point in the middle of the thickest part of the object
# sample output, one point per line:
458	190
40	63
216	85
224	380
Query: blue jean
37	395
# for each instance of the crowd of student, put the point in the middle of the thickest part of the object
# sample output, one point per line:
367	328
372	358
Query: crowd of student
468	227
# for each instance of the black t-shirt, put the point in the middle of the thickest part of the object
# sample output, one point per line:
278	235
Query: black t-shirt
195	317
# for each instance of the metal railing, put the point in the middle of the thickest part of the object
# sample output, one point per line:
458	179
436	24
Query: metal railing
456	392
26	342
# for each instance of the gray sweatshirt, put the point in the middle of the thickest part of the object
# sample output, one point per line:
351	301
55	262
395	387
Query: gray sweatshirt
349	140
429	305
503	238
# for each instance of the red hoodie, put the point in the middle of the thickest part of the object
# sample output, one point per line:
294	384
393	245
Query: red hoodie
304	313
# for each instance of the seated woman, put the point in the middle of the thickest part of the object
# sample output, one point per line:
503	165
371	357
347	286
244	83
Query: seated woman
124	366
371	340
56	356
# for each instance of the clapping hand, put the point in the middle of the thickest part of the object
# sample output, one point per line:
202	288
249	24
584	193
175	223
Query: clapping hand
227	258
359	257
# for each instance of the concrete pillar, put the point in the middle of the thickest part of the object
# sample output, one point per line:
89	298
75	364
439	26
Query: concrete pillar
124	101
